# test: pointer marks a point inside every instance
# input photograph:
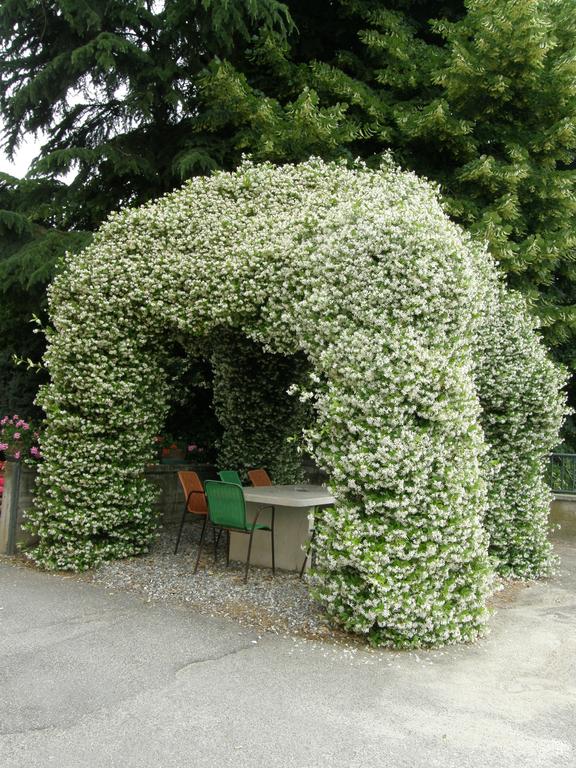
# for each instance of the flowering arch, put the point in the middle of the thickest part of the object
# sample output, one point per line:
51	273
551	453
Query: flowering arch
361	275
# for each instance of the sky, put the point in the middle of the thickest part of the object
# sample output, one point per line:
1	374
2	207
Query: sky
26	153
29	148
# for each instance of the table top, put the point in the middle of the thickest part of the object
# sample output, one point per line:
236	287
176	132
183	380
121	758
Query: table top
289	495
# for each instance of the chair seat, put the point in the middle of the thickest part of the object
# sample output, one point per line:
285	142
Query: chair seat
257	527
249	528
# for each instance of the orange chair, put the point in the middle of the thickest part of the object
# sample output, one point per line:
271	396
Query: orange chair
195	501
259	477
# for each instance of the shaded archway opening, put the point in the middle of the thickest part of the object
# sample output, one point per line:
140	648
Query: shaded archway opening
191	426
234	403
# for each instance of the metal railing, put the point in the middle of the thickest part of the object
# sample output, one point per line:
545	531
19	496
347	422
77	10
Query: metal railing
562	472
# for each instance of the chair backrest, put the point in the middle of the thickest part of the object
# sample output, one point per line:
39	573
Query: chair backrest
226	506
230	476
193	492
259	477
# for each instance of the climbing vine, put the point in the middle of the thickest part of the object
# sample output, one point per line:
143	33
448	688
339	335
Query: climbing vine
360	274
518	387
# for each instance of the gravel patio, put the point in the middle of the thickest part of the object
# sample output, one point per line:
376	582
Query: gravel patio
279	603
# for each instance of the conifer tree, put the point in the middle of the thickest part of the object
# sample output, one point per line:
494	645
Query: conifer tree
33	237
112	86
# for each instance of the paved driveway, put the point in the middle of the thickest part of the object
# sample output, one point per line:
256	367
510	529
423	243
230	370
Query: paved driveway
97	680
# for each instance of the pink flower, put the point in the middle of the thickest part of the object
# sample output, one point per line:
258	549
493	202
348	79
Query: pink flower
17	455
193	447
35	452
17	435
25	426
3	446
4	420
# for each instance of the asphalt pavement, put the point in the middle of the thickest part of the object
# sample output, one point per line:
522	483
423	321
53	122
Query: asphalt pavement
95	679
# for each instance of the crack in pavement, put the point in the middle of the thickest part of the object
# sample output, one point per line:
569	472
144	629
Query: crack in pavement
224	655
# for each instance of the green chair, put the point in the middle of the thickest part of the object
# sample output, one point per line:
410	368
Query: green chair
227	511
230	476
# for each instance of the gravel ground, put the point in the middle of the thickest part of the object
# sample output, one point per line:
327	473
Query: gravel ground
267	603
279	603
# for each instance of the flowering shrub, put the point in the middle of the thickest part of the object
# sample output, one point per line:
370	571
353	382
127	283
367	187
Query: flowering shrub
518	388
19	438
394	312
195	451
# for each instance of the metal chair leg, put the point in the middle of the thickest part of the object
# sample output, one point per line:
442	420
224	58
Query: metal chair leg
272	543
201	545
307	555
215	540
248	558
181	527
228	549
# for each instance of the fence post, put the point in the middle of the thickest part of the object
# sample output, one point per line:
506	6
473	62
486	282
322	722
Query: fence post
10	499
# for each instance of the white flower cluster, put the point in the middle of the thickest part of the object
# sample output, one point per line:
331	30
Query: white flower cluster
518	387
407	335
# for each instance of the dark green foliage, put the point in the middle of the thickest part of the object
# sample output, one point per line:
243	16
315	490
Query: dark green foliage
191	418
113	86
262	424
30	246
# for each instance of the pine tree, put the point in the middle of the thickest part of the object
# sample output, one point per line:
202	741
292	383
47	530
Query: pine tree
32	240
112	85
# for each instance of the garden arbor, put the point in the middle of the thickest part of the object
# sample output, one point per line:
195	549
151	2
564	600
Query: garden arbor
401	342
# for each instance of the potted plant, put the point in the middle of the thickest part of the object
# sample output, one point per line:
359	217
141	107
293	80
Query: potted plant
171	450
